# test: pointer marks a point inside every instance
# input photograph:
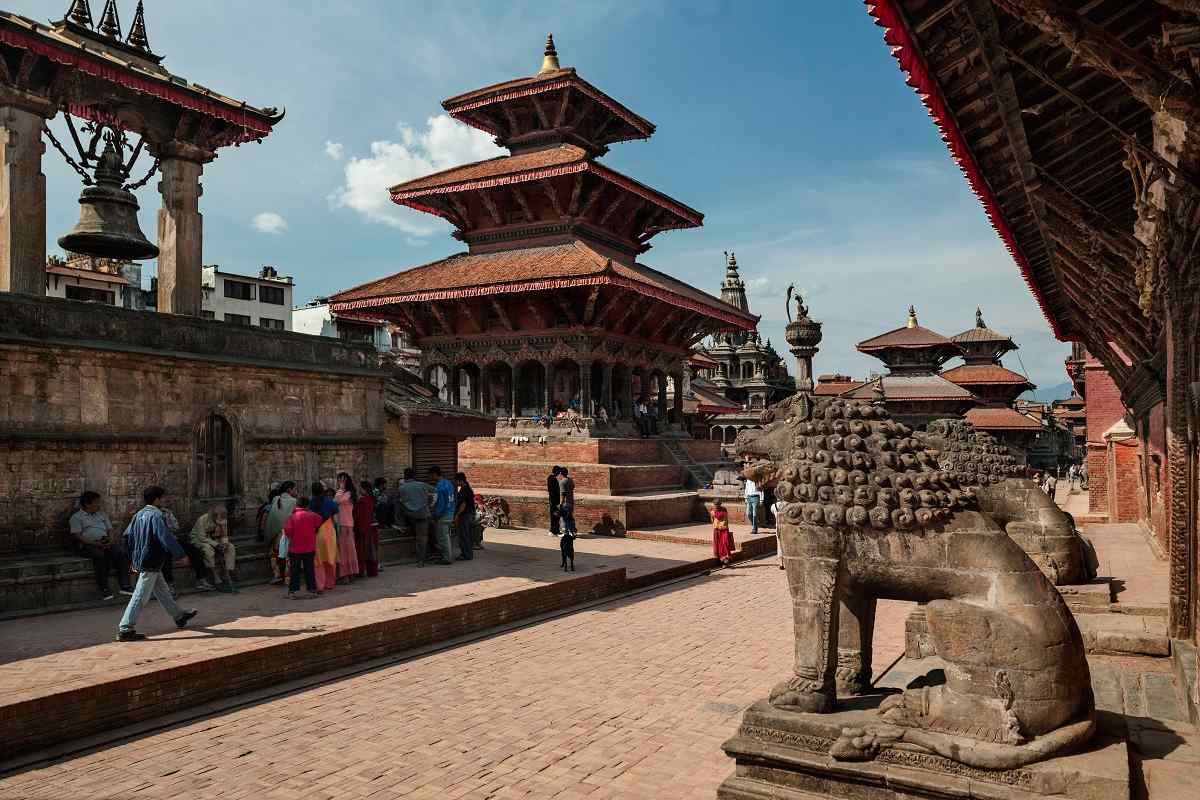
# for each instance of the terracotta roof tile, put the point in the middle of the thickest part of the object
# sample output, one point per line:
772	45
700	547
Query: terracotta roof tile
904	336
530	269
984	373
912	387
495	167
978	334
992	419
835	388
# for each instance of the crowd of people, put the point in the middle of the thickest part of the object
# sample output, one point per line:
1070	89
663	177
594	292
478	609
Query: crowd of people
325	536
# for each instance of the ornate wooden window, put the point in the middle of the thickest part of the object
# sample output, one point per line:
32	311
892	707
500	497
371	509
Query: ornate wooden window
214	458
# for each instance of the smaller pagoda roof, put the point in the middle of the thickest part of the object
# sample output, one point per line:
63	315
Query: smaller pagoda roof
703	360
911	387
529	269
914	337
834	385
969	374
533	166
982	334
1000	419
707	399
472	108
416	404
1074	401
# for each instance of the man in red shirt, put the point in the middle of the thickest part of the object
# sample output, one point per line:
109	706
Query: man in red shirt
301	531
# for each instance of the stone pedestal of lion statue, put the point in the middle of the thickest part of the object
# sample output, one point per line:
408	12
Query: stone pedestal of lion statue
870	514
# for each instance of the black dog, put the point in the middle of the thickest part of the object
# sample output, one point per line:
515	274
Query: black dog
566	544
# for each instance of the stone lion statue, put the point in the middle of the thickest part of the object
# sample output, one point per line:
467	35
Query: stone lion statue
869	513
1018	504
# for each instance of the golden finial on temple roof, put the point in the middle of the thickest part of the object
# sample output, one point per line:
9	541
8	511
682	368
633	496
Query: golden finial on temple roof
912	317
549	56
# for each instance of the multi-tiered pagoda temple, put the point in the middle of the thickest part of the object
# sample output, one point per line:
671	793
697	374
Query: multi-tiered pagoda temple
548	309
548	315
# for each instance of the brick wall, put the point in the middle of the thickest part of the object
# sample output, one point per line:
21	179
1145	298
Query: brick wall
397	453
589	478
530	511
113	420
585	451
1104	408
1152	494
1123	485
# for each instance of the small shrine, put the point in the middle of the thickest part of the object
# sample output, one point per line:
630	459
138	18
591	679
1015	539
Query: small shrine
913	391
996	386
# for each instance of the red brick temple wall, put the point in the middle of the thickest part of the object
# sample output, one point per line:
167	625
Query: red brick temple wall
1104	408
1152	475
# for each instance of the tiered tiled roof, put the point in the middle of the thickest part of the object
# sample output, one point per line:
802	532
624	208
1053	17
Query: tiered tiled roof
996	419
911	387
968	374
531	269
915	336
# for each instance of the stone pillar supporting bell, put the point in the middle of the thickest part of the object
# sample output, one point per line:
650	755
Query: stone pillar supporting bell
180	231
22	201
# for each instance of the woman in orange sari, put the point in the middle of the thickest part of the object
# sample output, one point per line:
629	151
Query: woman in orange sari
723	544
346	497
327	548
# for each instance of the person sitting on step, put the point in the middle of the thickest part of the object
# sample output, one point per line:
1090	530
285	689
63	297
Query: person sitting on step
210	535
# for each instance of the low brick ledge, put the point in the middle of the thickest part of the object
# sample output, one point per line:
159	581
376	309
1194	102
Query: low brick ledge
55	718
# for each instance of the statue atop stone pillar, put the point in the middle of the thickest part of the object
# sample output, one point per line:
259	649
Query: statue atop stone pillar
802	335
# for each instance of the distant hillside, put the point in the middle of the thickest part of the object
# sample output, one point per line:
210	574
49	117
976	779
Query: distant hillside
1051	393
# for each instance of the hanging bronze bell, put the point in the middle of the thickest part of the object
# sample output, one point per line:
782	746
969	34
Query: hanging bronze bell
108	224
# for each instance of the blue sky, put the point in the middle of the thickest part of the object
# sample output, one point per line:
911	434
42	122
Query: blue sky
788	124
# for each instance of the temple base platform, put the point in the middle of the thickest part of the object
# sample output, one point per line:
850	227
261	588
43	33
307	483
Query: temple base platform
784	755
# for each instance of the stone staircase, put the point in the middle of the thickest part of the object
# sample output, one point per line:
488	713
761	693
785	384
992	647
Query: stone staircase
697	475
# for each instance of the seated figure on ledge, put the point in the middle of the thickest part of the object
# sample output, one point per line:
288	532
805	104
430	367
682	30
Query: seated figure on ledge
867	513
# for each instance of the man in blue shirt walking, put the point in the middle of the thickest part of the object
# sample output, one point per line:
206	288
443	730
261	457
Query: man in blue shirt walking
149	544
443	512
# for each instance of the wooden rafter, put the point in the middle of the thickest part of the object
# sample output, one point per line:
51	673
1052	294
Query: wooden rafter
443	320
505	320
565	306
576	188
629	311
612	207
592	198
541	112
511	117
589	306
490	205
563	107
460	208
602	312
662	324
472	314
583	112
538	314
413	321
521	201
28	61
1156	86
552	195
1115	129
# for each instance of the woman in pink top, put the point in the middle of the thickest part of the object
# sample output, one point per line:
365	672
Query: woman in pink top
345	497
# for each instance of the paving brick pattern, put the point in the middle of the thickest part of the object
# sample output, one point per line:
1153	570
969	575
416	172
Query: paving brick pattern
629	699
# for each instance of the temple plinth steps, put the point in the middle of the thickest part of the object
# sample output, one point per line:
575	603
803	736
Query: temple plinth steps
530	509
598	479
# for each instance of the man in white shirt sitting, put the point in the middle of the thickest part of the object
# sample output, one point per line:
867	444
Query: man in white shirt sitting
93	533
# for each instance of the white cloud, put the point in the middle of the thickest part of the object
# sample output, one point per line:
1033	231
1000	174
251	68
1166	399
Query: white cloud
335	150
443	143
760	287
269	222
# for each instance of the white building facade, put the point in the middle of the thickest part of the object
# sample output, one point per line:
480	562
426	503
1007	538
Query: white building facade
262	301
316	319
95	280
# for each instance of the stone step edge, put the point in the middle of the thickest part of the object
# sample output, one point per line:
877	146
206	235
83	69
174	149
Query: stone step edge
1099	641
52	719
568	464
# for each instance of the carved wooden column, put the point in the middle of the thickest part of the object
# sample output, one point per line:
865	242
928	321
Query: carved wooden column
678	404
22	197
547	377
606	387
180	228
514	408
585	388
662	397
